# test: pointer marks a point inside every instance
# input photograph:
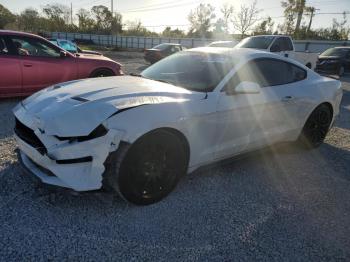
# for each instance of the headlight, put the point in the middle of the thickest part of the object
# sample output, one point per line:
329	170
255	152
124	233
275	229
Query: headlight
97	132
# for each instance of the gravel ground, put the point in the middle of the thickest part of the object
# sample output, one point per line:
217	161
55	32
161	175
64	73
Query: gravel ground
282	204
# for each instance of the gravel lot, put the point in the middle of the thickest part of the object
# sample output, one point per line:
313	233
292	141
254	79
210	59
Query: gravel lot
281	203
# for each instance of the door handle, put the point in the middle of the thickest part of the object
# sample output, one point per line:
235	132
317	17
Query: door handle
28	65
286	55
287	99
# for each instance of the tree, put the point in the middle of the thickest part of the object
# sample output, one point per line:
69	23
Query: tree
29	20
86	23
289	13
245	19
339	29
310	11
265	27
176	33
116	24
227	12
103	18
299	9
6	17
58	16
135	28
201	20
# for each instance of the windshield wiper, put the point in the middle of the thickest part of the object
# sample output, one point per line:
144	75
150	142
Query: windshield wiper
163	81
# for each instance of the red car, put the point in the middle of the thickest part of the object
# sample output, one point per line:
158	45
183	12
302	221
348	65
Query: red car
29	63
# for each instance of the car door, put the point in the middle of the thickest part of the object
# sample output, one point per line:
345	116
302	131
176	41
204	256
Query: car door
283	47
42	63
287	47
10	70
283	82
248	121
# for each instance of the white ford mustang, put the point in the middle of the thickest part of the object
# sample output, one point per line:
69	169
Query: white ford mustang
139	134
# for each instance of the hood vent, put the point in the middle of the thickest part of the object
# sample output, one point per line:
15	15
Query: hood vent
80	99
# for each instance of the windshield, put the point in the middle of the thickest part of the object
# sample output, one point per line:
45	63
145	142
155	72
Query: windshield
260	42
222	44
67	45
334	52
161	47
194	71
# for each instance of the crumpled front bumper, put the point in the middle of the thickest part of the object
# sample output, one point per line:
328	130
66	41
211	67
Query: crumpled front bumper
71	164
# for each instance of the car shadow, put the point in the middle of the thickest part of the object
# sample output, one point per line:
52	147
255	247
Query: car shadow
6	116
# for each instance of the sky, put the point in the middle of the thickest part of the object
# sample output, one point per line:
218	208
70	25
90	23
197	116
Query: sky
156	14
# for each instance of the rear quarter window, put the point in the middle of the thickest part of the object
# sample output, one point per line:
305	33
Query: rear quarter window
269	72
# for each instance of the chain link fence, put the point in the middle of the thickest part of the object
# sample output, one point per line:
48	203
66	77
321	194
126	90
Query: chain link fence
140	42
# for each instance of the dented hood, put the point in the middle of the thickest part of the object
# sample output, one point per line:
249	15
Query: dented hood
77	107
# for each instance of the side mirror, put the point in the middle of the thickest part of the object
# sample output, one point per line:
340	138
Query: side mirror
63	54
247	88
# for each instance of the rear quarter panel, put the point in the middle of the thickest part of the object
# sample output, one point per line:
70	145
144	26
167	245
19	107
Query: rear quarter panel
327	90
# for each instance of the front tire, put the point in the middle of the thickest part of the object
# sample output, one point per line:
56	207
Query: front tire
151	168
102	73
341	71
316	127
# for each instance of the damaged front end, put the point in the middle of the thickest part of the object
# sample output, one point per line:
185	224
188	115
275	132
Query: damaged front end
71	162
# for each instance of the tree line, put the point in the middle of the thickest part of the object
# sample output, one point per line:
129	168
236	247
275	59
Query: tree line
203	22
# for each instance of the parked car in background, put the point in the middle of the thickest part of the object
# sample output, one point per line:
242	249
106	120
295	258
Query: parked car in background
334	61
223	44
140	135
282	45
71	46
29	63
158	52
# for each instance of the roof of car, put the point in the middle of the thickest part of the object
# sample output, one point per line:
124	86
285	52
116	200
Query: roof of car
169	44
11	32
270	36
228	51
219	42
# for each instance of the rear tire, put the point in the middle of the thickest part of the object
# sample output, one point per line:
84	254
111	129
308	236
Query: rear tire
150	168
316	127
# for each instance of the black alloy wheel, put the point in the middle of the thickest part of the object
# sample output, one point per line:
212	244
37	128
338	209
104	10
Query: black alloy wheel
152	167
316	127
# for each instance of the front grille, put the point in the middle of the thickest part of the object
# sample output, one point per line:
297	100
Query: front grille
28	136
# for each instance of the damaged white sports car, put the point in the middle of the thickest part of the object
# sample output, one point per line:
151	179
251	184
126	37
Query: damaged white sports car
140	134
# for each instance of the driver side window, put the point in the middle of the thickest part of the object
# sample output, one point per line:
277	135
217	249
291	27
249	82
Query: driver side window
24	46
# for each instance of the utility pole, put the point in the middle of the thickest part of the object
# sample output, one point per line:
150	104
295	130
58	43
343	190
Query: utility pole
112	11
71	13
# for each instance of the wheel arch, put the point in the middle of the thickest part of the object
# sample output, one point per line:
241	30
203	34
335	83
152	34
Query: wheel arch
328	104
173	131
101	69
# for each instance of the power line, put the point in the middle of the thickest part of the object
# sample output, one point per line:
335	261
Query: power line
140	10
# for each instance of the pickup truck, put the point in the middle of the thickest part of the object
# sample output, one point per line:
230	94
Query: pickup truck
279	44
